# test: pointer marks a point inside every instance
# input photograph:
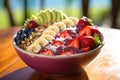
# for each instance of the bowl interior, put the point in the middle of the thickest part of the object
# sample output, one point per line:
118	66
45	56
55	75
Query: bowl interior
64	56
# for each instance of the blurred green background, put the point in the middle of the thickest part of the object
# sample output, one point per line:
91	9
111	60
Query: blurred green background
99	10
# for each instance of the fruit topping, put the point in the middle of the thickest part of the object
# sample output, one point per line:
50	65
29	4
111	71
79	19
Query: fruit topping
57	43
74	43
86	49
65	34
84	22
47	52
70	51
32	24
87	41
51	33
86	31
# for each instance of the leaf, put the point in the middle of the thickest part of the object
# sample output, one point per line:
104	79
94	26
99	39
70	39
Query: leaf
88	19
97	40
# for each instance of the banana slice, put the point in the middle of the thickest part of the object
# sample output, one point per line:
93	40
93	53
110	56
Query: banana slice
74	19
61	25
42	41
50	32
47	36
68	22
53	28
34	48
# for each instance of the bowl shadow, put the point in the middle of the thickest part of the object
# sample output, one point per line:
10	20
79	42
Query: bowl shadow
28	73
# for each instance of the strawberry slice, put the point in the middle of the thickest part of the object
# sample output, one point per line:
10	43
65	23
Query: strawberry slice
32	24
86	49
87	41
65	34
84	22
70	50
57	43
74	43
86	31
48	52
94	30
67	53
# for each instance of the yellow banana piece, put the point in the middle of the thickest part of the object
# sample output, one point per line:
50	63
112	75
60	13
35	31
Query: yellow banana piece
34	48
61	25
42	41
68	22
74	19
50	32
53	28
47	36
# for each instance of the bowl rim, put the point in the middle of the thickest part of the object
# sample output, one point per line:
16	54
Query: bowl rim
57	57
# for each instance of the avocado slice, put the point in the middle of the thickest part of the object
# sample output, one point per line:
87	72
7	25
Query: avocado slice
49	16
40	17
64	16
59	16
35	18
54	15
42	13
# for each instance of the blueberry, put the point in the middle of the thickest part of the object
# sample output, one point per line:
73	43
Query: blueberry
16	39
23	36
29	33
26	31
19	33
32	30
23	31
18	42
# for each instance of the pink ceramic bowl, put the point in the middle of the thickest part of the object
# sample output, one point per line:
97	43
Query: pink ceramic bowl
57	65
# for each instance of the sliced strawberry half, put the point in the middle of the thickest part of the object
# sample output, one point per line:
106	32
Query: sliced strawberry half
32	24
74	43
94	30
65	34
87	41
86	31
70	50
86	49
48	52
84	22
57	43
67	53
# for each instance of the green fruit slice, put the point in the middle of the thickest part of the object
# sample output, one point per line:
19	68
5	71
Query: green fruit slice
49	16
42	13
59	16
35	18
64	16
40	17
54	15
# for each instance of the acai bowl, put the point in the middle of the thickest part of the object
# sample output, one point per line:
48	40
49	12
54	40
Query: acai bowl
53	43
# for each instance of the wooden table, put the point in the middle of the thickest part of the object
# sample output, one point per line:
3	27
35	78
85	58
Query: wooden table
106	66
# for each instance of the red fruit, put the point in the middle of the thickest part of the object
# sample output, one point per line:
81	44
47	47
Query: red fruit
74	43
70	50
32	24
48	52
65	34
67	53
86	31
87	41
86	49
94	30
57	43
84	22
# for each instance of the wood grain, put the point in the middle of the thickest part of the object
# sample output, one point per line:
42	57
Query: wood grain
106	66
9	60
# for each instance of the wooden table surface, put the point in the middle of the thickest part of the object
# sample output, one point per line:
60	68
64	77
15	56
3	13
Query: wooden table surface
106	66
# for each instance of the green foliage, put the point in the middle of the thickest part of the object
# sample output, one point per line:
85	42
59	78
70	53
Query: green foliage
97	40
